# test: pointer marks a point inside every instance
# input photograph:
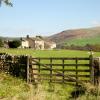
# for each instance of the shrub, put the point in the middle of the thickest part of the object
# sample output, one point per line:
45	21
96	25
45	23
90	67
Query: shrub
14	44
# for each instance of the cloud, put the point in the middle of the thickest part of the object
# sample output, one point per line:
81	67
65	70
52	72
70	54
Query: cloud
95	23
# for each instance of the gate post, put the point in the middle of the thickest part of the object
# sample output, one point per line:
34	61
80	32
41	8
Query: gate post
96	62
91	69
27	69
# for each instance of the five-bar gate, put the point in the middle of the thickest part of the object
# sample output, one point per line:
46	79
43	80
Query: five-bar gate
60	69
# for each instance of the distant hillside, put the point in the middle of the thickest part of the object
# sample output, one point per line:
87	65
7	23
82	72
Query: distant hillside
9	38
78	37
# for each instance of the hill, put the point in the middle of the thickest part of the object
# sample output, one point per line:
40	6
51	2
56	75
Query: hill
78	37
9	38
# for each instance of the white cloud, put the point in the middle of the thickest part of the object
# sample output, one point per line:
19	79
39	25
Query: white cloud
95	23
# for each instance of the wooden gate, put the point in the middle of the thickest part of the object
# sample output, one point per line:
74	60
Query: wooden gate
60	69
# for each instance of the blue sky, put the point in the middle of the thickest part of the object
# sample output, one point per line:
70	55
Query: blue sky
47	17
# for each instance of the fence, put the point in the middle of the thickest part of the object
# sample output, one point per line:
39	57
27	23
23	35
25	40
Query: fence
60	69
64	70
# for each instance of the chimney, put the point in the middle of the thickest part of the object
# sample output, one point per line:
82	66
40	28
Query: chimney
27	36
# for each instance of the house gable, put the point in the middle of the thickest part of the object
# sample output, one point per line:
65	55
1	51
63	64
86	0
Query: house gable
24	44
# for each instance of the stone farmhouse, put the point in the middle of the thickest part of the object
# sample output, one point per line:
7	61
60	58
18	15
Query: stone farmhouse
37	43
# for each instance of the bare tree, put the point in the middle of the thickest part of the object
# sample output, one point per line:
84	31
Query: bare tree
7	2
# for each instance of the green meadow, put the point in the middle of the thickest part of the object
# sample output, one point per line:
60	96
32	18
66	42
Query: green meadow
49	53
12	88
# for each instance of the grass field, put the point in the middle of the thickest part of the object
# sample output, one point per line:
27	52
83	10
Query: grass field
17	89
49	53
12	88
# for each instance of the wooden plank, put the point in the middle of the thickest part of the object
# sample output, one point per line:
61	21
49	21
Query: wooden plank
60	58
69	70
62	75
55	79
60	80
62	64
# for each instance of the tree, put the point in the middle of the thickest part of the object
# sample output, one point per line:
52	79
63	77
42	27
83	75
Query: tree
7	2
1	43
14	43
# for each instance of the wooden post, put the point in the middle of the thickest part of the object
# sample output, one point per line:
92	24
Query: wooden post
63	70
30	69
50	69
76	71
91	69
27	69
96	70
39	68
99	70
39	64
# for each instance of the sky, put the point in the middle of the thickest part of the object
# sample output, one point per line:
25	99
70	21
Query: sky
47	17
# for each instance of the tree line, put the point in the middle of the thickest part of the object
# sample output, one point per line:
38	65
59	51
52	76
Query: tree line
93	47
11	44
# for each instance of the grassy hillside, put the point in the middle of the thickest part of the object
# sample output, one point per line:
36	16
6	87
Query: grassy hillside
83	42
77	37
